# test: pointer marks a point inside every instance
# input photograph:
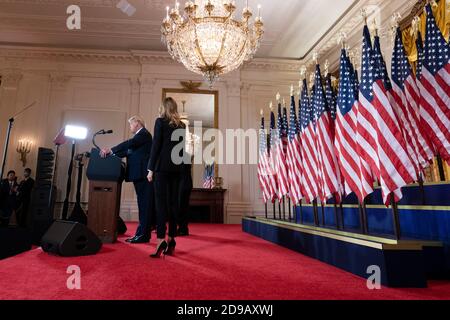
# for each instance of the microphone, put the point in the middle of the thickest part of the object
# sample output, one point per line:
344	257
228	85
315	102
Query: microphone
103	131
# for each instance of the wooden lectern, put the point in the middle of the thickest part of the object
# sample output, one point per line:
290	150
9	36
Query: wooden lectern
105	190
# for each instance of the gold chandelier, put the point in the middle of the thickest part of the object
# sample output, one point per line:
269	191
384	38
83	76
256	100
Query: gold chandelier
207	38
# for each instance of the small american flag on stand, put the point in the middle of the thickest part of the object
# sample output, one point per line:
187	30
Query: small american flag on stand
406	96
328	165
434	87
273	146
382	138
208	179
281	167
293	157
309	151
346	131
263	164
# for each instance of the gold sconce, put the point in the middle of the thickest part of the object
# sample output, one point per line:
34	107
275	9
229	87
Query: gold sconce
24	148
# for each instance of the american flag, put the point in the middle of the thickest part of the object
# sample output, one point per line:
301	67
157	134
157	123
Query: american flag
331	100
346	128
208	178
400	114
293	157
381	140
281	166
263	164
434	87
331	97
328	165
355	77
406	101
273	147
309	152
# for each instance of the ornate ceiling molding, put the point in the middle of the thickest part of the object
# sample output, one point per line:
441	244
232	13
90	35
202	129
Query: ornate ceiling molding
352	25
278	65
85	3
111	27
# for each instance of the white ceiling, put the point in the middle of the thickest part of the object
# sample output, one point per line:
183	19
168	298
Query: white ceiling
292	26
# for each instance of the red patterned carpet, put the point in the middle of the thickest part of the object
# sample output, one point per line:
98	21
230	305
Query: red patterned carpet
216	262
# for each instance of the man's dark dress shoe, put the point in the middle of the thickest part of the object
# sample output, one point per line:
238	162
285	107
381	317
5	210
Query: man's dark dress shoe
138	240
131	239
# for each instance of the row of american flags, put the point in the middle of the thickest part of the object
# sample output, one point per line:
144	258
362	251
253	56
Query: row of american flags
379	128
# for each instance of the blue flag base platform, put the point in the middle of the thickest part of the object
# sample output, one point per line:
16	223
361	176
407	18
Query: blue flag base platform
402	263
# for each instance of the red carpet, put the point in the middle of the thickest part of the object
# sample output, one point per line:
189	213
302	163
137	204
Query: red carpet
216	262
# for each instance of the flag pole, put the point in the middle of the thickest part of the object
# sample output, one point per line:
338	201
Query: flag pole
316	213
363	218
274	210
342	216
336	213
396	218
265	208
284	209
441	170
279	208
323	214
290	209
301	213
422	189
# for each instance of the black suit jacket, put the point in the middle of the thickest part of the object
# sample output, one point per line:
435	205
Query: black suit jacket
25	188
7	198
137	151
161	156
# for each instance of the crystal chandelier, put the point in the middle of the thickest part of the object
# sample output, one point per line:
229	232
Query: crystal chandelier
208	39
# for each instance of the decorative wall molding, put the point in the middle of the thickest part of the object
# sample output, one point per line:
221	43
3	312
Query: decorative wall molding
11	78
147	84
233	88
59	80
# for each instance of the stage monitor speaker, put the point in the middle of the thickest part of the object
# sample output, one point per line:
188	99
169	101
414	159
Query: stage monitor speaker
70	239
14	241
42	204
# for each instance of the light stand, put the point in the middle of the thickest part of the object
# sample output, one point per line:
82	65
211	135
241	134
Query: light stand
8	136
5	152
69	183
74	133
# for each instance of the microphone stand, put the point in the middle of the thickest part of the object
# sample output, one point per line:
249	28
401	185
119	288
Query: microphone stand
95	136
8	136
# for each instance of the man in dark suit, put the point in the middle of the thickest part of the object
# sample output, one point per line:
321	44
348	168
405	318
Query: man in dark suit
137	151
24	197
8	192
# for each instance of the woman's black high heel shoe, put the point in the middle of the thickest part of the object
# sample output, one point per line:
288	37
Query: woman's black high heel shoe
162	247
170	248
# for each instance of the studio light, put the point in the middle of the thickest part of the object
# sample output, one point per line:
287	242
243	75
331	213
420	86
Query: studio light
75	132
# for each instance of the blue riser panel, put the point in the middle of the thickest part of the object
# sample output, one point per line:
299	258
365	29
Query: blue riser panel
417	224
398	268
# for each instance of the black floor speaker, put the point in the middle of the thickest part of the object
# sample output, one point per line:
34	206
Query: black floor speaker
70	239
14	241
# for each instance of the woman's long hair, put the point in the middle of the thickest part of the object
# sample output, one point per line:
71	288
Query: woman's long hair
169	111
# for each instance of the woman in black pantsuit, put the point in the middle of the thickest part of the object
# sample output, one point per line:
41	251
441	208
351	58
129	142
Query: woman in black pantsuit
165	169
